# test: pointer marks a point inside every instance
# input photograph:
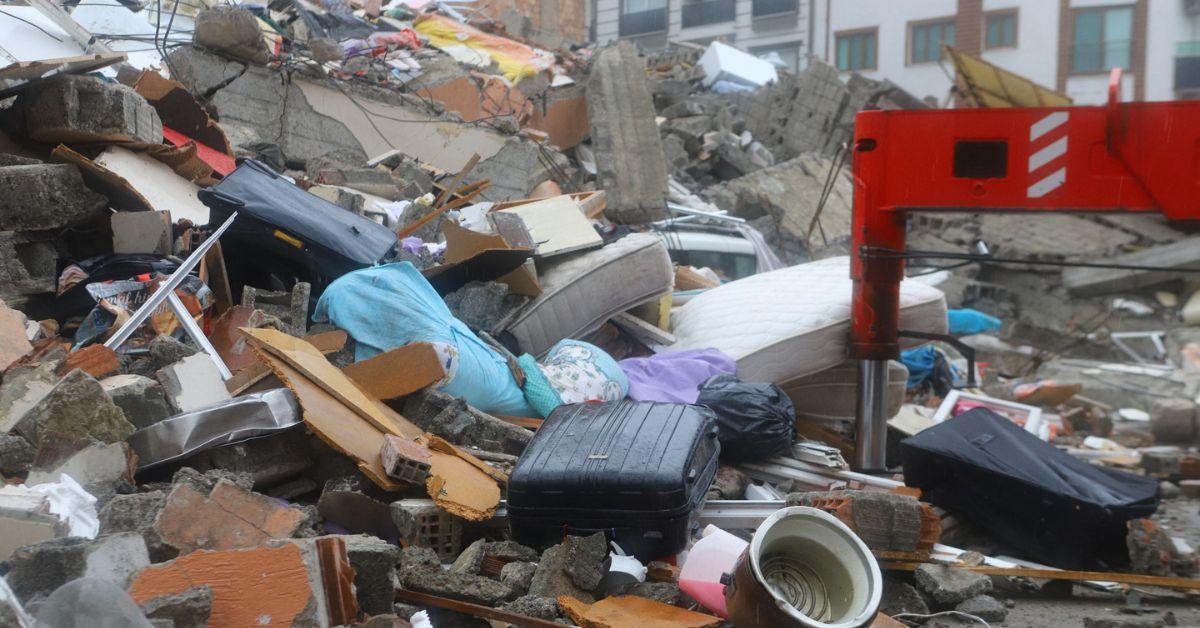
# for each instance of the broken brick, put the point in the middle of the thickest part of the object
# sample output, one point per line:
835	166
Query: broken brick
279	585
228	518
405	460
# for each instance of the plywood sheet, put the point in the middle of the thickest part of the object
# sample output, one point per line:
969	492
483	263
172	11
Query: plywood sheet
399	372
557	226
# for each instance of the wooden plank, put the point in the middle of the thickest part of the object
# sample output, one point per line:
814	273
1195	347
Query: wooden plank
306	359
325	342
214	264
79	64
475	610
1073	576
1184	254
399	372
441	199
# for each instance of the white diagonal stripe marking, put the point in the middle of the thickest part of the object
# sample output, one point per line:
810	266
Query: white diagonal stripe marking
1048	154
1047	124
1049	184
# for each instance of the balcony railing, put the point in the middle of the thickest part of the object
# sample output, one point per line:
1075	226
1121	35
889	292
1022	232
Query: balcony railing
707	12
643	22
769	8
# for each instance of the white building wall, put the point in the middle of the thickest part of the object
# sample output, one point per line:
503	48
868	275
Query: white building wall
1036	54
891	17
1166	17
744	31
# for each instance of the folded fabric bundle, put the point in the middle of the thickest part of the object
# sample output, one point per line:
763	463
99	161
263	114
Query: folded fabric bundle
573	372
675	376
393	305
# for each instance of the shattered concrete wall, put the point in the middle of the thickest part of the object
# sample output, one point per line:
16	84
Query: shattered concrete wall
630	164
781	201
256	104
807	112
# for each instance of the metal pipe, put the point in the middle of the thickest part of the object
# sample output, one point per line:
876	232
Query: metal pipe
167	287
196	334
870	417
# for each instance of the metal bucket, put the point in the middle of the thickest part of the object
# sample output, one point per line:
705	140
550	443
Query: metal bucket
804	568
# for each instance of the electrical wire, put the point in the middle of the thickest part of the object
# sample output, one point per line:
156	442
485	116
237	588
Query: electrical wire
21	19
877	253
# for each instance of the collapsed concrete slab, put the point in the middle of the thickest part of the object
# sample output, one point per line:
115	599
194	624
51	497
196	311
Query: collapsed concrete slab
452	419
75	109
77	406
629	154
102	470
456	586
46	196
572	569
192	383
140	398
136	513
234	31
788	196
374	561
28	265
949	586
37	570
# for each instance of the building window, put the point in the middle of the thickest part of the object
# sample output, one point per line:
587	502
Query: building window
788	53
1103	38
926	38
856	51
1000	29
639	17
701	12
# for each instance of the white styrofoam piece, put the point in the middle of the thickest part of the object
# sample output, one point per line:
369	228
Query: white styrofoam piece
722	62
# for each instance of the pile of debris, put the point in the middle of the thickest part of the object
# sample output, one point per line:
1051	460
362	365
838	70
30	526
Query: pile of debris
383	314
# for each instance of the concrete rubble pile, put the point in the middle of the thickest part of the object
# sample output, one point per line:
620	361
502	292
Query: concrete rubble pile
387	314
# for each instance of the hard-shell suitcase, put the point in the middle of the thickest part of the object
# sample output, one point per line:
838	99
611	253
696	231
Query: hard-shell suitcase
638	471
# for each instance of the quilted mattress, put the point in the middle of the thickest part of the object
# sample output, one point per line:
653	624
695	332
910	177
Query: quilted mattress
791	322
580	292
828	398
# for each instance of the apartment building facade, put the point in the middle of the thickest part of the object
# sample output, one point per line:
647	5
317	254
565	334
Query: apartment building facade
759	26
1068	45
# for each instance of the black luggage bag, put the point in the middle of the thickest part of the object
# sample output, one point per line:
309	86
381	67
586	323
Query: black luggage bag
282	229
638	471
1044	504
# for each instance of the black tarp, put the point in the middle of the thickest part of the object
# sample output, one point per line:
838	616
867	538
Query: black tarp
278	218
1041	502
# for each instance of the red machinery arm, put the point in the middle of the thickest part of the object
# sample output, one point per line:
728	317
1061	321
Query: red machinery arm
1135	157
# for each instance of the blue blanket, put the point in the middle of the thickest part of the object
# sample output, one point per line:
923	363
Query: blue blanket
393	305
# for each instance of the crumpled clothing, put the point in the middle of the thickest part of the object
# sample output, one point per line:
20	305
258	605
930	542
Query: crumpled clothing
573	371
516	60
676	376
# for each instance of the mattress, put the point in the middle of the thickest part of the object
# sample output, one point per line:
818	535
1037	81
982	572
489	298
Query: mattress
580	292
828	398
791	322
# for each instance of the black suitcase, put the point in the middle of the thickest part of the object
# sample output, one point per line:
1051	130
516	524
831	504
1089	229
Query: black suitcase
280	225
638	471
